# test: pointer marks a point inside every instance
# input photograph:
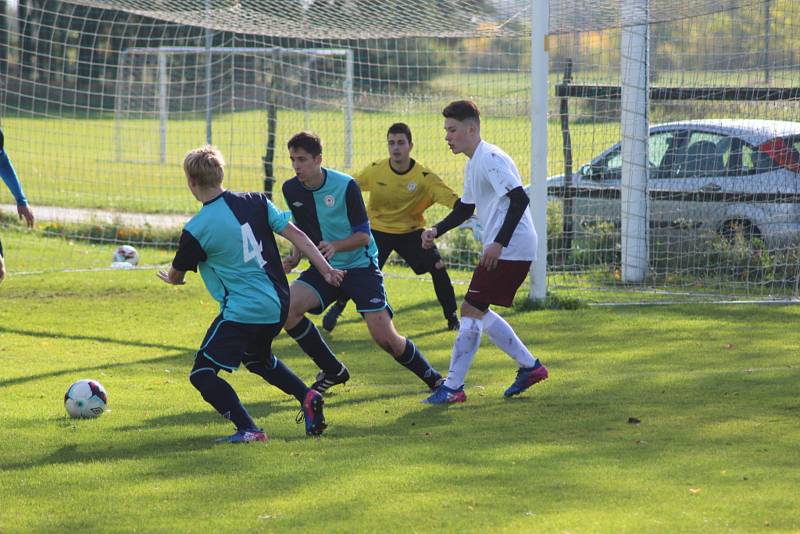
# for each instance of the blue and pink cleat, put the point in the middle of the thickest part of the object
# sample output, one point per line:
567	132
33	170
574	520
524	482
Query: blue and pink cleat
312	413
445	395
245	436
526	377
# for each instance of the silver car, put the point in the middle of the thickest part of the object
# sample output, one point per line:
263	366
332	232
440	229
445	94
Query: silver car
711	175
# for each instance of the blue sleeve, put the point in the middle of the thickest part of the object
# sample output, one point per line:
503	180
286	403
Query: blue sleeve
190	253
277	219
10	178
356	210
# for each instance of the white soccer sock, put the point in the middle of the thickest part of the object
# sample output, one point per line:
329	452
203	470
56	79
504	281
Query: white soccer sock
503	336
464	348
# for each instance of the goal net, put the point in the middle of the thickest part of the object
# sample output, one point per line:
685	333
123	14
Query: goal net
100	100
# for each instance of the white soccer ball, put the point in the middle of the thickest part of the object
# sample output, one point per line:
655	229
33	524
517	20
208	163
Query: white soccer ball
127	254
85	399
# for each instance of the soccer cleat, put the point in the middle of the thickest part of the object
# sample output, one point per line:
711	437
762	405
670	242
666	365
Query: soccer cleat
245	436
453	323
445	395
312	413
526	377
325	381
330	319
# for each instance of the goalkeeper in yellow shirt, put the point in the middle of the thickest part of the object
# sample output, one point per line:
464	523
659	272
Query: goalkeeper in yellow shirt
400	190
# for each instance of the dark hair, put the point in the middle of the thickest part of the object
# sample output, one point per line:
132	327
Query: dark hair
308	141
400	128
462	110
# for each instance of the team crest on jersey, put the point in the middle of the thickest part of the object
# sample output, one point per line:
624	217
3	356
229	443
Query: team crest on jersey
411	186
329	201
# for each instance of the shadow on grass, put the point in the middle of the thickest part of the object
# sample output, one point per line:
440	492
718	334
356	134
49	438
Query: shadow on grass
99	339
174	359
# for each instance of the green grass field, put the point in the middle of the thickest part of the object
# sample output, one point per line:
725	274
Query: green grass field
714	391
73	162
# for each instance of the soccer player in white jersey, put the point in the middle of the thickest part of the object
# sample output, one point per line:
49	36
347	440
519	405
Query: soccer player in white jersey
493	187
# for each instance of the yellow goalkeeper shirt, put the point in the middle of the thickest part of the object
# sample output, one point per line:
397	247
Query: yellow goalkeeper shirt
397	201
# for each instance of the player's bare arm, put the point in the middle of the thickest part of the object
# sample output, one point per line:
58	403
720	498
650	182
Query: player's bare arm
303	245
173	276
354	241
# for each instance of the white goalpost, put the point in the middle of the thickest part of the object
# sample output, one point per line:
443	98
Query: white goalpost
634	118
126	80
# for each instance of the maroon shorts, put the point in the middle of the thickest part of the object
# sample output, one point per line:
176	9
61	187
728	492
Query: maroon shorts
499	285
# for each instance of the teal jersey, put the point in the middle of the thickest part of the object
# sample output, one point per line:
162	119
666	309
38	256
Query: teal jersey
232	242
333	211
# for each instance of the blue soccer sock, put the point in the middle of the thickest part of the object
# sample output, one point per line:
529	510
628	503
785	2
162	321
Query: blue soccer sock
222	397
279	375
413	360
310	340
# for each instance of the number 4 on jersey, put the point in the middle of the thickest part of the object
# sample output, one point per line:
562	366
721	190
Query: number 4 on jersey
252	247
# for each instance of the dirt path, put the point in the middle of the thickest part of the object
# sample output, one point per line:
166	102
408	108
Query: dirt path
79	215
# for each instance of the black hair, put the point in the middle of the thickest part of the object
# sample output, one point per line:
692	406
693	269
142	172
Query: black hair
308	141
462	110
400	128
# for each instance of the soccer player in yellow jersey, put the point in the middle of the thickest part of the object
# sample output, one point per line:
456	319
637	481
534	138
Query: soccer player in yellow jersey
400	190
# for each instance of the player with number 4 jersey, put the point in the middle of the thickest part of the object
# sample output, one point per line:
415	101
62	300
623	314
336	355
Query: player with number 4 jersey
231	241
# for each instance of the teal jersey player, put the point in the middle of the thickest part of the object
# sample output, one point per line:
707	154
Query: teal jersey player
327	206
231	241
333	211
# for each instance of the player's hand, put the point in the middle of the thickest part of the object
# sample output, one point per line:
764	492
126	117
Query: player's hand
164	276
334	277
25	211
327	249
428	236
491	255
289	263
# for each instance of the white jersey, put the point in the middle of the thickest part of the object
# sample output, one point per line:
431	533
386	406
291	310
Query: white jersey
488	176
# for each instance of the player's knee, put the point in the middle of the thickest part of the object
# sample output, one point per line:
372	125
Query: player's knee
293	317
383	342
473	308
203	374
203	379
257	363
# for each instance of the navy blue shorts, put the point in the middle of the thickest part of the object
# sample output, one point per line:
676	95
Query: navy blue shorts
228	343
364	286
1	247
409	247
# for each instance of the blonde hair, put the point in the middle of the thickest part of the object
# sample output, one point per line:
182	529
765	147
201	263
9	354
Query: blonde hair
205	165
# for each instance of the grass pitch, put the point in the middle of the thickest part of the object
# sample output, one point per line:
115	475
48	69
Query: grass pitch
655	419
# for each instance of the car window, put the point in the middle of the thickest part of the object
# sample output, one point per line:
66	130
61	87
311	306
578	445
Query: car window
702	155
610	167
659	144
661	153
754	161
